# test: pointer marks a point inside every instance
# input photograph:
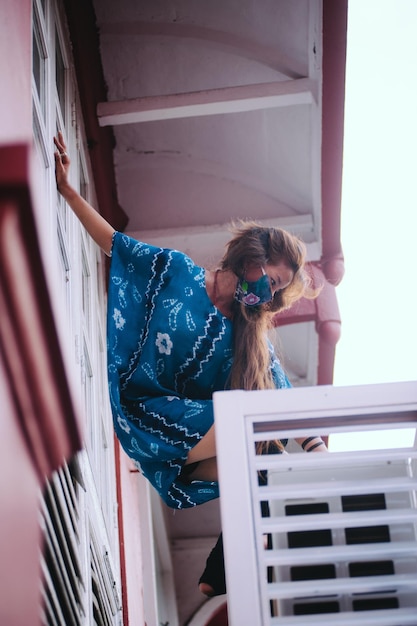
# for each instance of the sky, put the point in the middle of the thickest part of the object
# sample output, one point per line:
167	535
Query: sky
378	294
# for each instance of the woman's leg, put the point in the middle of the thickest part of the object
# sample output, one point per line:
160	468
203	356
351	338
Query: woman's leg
212	581
204	449
204	462
203	457
204	470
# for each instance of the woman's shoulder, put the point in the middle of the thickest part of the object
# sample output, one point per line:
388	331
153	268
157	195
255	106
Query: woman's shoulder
125	245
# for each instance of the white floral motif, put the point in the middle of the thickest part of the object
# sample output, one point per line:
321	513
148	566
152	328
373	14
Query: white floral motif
119	320
164	343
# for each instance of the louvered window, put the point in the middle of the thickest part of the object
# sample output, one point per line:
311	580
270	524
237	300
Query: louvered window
63	584
341	526
70	599
104	595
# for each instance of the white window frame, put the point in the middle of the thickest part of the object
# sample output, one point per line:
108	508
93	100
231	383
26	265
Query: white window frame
75	253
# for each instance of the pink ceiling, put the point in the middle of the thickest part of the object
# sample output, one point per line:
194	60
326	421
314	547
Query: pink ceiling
198	172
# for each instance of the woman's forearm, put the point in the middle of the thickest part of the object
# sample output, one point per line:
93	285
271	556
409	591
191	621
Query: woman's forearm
96	226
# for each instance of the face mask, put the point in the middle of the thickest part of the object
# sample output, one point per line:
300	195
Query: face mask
254	293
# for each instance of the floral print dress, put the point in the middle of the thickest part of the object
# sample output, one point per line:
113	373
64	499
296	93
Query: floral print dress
169	349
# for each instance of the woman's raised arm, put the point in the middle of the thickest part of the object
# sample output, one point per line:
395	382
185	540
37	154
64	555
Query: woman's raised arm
99	229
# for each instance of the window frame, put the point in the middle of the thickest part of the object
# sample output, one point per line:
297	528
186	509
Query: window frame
80	267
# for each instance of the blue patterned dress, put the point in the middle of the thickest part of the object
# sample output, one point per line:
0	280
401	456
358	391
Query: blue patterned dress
169	349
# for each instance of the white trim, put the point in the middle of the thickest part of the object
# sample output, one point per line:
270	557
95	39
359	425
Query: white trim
164	571
148	552
315	72
209	102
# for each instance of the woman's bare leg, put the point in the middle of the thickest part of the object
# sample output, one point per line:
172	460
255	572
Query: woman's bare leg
204	455
205	470
204	449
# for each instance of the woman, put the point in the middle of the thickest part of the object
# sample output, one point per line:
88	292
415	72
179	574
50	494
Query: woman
177	333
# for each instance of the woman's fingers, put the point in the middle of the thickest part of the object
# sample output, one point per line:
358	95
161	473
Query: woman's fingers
57	144
59	166
61	141
62	162
60	144
61	156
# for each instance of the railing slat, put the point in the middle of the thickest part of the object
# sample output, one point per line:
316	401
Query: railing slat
324	554
387	617
341	487
315	589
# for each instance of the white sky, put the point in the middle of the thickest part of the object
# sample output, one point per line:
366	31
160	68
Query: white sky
378	294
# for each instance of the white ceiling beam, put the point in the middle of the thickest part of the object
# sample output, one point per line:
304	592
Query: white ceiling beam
209	102
205	244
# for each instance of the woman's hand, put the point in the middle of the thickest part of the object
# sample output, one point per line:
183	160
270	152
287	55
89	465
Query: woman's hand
99	229
62	164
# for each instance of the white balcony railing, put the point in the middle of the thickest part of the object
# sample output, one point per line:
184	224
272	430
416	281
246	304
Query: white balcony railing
335	538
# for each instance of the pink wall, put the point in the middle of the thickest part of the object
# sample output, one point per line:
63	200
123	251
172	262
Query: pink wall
19	521
15	71
129	501
20	537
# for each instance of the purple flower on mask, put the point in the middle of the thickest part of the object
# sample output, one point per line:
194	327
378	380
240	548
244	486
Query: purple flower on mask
251	299
254	293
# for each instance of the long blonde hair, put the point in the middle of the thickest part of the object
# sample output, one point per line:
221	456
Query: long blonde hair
254	244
